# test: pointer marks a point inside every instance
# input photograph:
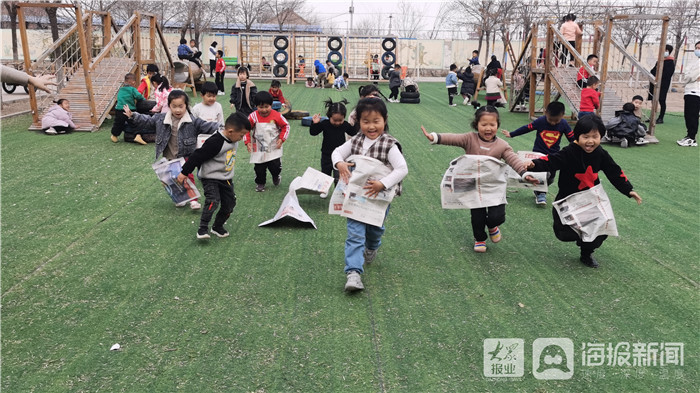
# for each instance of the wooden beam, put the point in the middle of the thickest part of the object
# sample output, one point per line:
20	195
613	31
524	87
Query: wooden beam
548	64
604	62
45	5
86	66
533	76
152	37
27	62
137	43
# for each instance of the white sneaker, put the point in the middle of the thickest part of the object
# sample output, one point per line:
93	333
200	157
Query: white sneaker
324	195
354	282
641	141
369	255
194	205
51	131
221	93
687	142
453	104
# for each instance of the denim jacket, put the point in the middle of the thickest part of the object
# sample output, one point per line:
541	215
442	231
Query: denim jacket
187	132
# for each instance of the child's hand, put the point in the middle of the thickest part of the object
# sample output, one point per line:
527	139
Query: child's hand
531	180
127	111
430	137
529	164
636	197
344	171
373	187
180	178
316	118
249	147
231	106
506	133
279	143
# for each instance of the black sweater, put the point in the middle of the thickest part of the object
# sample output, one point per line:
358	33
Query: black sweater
333	136
579	170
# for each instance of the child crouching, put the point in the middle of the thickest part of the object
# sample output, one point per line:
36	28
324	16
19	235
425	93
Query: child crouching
215	160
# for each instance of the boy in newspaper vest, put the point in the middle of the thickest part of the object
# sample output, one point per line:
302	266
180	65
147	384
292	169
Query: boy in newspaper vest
363	240
579	164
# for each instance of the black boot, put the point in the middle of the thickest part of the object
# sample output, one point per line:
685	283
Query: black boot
587	259
660	120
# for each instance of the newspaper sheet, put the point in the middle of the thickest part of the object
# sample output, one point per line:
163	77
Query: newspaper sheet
473	182
349	199
167	172
515	181
589	213
313	181
264	143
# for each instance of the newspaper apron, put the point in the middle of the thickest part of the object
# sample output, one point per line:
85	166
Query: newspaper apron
264	143
588	213
473	182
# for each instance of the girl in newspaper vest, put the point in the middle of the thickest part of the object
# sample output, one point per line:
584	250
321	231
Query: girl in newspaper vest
579	164
363	240
484	142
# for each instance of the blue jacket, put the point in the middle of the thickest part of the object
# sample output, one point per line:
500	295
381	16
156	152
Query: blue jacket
184	50
548	136
451	79
187	132
318	67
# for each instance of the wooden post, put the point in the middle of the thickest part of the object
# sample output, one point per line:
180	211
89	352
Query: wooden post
86	66
579	46
106	30
659	73
548	65
533	75
152	38
292	74
604	62
137	44
27	63
596	38
88	34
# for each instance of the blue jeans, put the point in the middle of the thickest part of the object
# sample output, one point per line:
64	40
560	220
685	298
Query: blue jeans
361	236
581	114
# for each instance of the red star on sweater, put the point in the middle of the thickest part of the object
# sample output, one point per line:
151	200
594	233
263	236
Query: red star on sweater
622	175
587	178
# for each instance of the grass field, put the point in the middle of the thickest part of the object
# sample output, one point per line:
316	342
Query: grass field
93	253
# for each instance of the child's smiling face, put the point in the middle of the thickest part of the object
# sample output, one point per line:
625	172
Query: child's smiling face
372	124
487	127
589	141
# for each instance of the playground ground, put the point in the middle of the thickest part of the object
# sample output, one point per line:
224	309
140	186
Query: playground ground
93	254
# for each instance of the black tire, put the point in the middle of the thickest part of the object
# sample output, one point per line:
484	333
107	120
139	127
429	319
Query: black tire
284	59
338	55
389	41
388	62
279	70
409	100
283	45
9	89
385	72
409	95
335	43
26	89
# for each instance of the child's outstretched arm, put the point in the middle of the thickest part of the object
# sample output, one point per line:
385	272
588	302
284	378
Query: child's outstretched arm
432	137
140	120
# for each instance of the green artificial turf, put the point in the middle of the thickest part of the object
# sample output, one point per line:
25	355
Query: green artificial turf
94	253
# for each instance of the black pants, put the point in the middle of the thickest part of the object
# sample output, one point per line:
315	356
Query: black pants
662	111
274	166
212	67
327	166
691	112
394	92
487	217
217	193
220	81
145	106
451	93
192	59
119	122
566	234
60	129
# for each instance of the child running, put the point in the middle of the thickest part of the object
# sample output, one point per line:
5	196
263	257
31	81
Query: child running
468	84
334	130
243	93
484	142
216	160
363	240
58	119
579	164
209	109
550	129
451	83
265	122
176	130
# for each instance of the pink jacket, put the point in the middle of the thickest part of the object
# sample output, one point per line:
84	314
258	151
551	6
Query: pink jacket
57	116
161	100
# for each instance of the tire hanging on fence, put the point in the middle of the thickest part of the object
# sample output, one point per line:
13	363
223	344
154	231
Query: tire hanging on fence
389	48
283	45
284	59
335	43
388	62
336	54
279	70
385	72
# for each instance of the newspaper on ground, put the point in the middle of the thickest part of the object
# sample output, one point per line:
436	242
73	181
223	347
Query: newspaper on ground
589	213
167	172
473	182
313	181
349	200
516	181
264	143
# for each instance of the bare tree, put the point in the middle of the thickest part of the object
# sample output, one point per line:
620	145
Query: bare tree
484	15
686	15
369	26
11	7
249	12
442	19
284	10
408	20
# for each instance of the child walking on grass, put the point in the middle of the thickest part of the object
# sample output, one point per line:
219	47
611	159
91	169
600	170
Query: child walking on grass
551	128
334	130
484	142
363	240
176	130
269	130
579	164
451	83
216	160
209	109
243	93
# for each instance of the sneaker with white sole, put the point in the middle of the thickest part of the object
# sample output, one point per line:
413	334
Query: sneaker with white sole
687	142
203	233
541	198
220	232
51	131
194	205
354	282
259	187
641	141
324	195
453	104
369	255
624	143
479	246
277	180
495	234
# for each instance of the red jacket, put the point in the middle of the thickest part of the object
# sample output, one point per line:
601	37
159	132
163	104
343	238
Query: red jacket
220	65
274	117
582	74
590	100
277	97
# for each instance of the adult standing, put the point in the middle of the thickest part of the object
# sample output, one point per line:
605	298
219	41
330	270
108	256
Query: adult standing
666	75
212	58
494	64
570	30
691	108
